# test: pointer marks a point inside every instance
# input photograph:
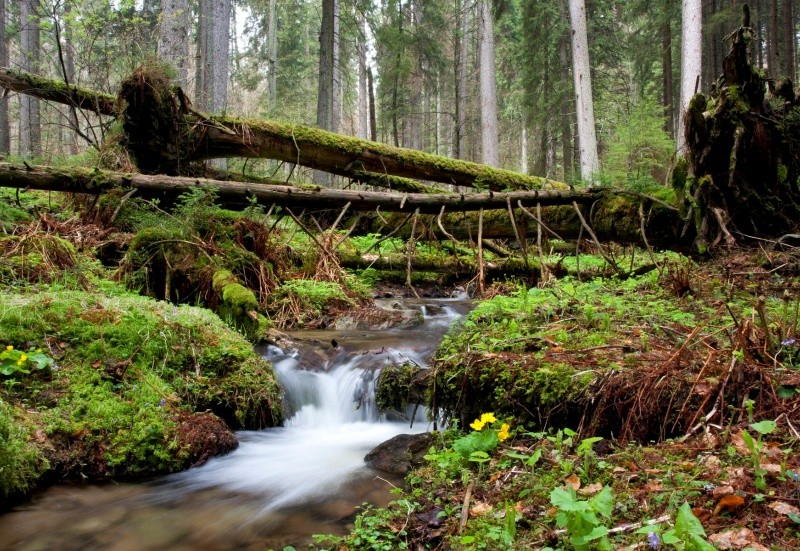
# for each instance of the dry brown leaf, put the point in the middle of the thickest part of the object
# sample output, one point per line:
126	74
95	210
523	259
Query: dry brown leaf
738	443
736	539
783	508
722	491
712	465
591	489
573	480
480	508
728	504
772	468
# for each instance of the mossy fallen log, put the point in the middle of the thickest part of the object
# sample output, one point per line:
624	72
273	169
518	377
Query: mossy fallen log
96	181
164	134
57	91
458	266
614	217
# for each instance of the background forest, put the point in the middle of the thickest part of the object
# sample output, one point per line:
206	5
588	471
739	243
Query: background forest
408	73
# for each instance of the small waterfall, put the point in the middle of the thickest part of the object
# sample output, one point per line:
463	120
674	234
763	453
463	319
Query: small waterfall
281	484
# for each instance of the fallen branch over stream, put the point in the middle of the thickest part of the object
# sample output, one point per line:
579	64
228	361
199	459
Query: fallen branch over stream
96	181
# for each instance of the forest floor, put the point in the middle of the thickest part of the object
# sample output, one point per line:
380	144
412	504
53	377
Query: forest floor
589	411
667	419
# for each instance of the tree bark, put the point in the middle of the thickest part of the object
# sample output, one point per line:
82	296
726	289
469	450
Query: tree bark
5	129
327	113
363	95
30	129
173	38
587	138
490	149
666	46
272	55
691	60
96	181
462	53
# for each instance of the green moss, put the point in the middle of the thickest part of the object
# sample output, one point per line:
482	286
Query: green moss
237	304
301	135
21	463
127	368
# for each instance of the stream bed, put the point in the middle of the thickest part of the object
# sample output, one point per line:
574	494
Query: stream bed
281	485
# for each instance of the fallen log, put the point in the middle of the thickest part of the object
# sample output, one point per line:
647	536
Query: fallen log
164	134
96	181
57	91
614	216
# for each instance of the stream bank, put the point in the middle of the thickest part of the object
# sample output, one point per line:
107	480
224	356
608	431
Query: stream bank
282	484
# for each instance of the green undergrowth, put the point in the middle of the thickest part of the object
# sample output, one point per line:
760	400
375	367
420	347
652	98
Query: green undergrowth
555	490
127	370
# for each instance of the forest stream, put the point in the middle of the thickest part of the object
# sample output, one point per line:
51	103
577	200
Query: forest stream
280	485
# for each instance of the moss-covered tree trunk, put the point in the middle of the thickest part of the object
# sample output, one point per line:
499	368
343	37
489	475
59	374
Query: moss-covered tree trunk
742	154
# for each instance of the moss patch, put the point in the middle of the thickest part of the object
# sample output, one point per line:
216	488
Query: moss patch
129	371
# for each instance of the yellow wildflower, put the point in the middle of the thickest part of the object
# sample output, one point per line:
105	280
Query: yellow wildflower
477	424
9	347
503	433
488	418
23	358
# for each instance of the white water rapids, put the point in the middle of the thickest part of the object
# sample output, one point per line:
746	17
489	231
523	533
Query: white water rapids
278	487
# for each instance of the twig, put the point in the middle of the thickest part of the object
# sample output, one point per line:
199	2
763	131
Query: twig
520	241
644	238
465	506
600	248
410	249
480	253
538	220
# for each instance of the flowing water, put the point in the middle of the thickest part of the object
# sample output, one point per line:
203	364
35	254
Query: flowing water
280	485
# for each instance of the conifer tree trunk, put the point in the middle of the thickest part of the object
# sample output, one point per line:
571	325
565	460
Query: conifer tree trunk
327	114
5	130
789	58
30	131
587	139
772	40
461	83
70	135
691	60
272	54
363	95
173	37
489	131
666	46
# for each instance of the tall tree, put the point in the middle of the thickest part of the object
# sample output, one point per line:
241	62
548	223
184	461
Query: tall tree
462	84
5	132
666	62
30	131
173	37
363	95
489	131
272	54
584	104
328	105
691	59
213	46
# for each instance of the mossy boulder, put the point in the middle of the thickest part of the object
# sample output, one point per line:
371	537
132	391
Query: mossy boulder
139	387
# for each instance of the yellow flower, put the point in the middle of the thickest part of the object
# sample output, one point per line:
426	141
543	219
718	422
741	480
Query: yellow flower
9	347
488	418
503	433
477	424
23	358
